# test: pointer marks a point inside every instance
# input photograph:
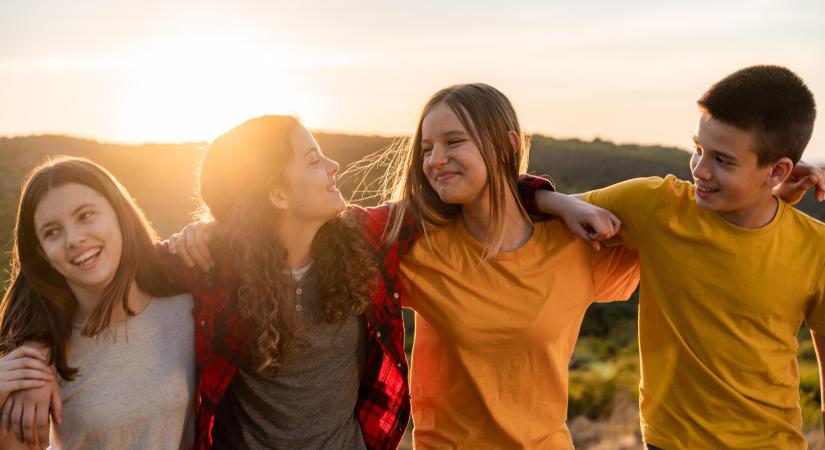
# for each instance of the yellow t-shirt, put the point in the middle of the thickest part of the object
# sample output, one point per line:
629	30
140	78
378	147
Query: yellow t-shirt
719	310
493	340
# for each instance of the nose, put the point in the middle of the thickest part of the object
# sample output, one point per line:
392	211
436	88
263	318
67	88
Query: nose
437	156
333	166
699	167
74	236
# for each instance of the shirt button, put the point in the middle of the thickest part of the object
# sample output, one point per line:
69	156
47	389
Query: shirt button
299	291
399	365
299	307
203	323
395	295
378	334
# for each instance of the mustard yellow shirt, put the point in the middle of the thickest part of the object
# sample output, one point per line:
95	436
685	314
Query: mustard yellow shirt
719	310
493	340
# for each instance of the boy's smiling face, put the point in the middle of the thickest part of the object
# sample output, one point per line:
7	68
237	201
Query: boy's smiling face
727	177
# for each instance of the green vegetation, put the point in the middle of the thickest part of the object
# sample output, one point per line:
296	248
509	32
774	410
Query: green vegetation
604	369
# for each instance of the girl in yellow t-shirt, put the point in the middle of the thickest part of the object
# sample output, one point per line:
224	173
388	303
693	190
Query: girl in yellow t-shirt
498	299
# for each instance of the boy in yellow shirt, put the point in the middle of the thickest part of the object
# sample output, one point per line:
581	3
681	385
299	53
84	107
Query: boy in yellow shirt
729	271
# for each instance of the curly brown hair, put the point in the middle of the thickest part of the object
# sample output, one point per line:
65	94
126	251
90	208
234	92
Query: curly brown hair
237	173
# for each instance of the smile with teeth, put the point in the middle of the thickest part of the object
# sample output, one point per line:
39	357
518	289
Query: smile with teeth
87	257
706	190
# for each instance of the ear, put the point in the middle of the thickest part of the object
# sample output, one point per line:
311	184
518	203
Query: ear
277	198
515	140
780	171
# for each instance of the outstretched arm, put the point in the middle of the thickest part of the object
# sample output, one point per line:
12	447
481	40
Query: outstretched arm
589	222
191	245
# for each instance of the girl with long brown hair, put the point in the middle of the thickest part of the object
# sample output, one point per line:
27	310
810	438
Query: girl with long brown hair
87	283
285	246
498	299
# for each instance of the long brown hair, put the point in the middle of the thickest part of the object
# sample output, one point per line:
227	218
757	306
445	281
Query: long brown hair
489	117
237	173
38	304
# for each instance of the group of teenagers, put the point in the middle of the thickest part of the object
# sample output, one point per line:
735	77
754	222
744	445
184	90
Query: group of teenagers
277	322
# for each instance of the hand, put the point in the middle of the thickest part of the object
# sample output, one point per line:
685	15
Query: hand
23	368
26	413
191	245
803	177
591	223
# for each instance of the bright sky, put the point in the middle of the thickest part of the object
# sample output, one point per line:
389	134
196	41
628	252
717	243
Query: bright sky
159	70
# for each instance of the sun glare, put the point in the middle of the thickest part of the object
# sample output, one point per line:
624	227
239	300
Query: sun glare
196	89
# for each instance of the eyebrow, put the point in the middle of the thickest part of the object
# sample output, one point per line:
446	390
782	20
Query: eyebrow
76	210
721	153
449	133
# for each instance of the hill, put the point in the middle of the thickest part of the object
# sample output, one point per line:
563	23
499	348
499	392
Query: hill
161	177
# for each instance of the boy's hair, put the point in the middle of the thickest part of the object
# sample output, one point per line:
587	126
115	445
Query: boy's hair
770	102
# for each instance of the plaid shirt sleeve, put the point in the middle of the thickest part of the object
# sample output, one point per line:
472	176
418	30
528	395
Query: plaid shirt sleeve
528	185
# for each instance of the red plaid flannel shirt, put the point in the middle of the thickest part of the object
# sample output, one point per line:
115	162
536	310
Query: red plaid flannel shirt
223	339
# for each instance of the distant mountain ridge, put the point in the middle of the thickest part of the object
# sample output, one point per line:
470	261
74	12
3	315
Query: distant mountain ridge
161	177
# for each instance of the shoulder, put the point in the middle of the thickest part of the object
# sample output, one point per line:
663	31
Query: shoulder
806	224
553	235
639	189
175	305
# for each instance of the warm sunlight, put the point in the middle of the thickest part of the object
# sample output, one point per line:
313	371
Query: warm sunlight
186	90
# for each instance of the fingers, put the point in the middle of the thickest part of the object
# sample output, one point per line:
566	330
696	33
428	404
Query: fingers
820	184
582	232
202	235
193	249
617	223
6	418
24	351
178	247
28	426
57	406
41	419
17	421
25	368
601	226
172	242
19	385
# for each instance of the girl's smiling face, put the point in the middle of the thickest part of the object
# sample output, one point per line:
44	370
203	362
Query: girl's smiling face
452	162
79	235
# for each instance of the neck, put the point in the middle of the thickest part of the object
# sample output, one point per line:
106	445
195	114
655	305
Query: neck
296	236
477	218
756	216
88	300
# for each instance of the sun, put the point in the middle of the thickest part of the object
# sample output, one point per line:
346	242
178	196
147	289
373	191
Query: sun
196	89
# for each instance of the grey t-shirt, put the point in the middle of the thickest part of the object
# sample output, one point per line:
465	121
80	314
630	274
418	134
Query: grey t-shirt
310	403
136	386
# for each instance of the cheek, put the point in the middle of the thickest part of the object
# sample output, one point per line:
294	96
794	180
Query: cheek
54	254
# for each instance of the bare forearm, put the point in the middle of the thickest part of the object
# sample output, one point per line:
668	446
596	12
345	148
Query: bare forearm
555	203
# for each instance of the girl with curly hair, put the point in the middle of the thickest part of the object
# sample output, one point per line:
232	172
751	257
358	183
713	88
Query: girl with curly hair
286	246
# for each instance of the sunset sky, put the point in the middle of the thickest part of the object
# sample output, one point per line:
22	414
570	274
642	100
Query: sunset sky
177	71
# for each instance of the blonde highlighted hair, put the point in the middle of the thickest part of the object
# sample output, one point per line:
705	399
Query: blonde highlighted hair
489	118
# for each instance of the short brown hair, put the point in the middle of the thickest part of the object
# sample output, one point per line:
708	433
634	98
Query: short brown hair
772	103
